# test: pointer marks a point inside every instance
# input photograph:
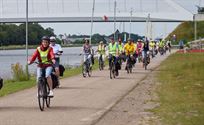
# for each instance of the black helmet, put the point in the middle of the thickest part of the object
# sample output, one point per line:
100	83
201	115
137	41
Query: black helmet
45	38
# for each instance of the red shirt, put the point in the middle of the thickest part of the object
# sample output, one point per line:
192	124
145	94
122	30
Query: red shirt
36	54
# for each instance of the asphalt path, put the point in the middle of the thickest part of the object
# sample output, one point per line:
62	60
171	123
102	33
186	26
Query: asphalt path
78	101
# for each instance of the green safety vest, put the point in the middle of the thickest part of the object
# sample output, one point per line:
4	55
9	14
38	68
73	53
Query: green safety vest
43	55
112	49
120	47
101	49
161	44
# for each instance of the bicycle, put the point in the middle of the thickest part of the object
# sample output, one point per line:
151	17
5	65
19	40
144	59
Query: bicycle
146	60
129	64
101	62
139	56
86	69
112	68
43	89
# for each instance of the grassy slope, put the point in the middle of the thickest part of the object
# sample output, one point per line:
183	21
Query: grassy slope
185	31
181	93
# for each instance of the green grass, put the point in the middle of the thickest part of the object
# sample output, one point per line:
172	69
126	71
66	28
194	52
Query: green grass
12	86
185	31
181	93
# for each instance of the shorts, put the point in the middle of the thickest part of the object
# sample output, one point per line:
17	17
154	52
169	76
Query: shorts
44	71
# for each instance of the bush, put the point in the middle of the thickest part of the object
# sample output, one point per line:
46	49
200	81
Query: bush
18	73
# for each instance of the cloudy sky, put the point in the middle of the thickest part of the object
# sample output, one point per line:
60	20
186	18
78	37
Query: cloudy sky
159	29
50	8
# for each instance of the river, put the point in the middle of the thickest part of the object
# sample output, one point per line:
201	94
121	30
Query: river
8	57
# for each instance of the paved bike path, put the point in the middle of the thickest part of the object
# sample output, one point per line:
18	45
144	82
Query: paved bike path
79	101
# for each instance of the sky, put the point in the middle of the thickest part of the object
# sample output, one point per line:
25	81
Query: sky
159	29
66	8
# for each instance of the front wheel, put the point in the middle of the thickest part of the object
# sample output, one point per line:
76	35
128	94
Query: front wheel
47	98
84	70
41	95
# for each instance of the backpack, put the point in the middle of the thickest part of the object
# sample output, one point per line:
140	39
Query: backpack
54	81
61	70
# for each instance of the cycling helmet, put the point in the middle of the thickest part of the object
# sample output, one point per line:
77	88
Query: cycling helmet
45	38
52	39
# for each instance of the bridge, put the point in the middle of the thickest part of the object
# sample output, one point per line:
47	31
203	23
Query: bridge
14	11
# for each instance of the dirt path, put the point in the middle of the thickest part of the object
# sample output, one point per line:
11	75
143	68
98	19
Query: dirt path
84	101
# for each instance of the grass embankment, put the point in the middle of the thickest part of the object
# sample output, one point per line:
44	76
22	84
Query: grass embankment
185	31
181	93
11	86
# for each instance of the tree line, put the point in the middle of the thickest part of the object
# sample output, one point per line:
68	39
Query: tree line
13	34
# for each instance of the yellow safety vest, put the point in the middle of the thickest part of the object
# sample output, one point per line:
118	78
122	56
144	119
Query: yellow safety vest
43	55
101	49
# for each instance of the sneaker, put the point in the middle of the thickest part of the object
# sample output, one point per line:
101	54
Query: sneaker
51	94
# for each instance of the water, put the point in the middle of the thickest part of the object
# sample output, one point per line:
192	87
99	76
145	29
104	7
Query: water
8	57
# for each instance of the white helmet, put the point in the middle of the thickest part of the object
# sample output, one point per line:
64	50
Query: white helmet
52	38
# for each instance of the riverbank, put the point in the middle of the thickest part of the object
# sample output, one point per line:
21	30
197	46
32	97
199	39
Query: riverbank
11	86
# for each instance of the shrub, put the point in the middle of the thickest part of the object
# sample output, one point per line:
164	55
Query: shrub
19	74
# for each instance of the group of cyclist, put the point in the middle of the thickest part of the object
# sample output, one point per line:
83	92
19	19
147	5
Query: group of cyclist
132	51
48	54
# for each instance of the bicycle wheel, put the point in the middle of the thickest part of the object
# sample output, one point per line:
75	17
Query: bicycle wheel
100	64
111	75
47	98
113	70
89	71
145	63
84	70
41	100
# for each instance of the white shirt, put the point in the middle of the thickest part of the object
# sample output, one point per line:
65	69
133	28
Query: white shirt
56	49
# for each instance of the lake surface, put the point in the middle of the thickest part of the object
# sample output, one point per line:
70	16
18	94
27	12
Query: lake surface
8	57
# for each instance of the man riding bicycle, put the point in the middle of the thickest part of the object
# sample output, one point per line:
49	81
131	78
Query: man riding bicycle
130	50
46	58
57	49
113	54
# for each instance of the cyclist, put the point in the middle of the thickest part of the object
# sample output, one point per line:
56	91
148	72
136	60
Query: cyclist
129	50
169	45
145	50
57	49
87	51
101	51
139	48
152	48
46	57
161	47
113	54
120	51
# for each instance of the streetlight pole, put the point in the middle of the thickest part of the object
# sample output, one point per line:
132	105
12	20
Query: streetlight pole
92	19
195	27
115	20
130	23
26	36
